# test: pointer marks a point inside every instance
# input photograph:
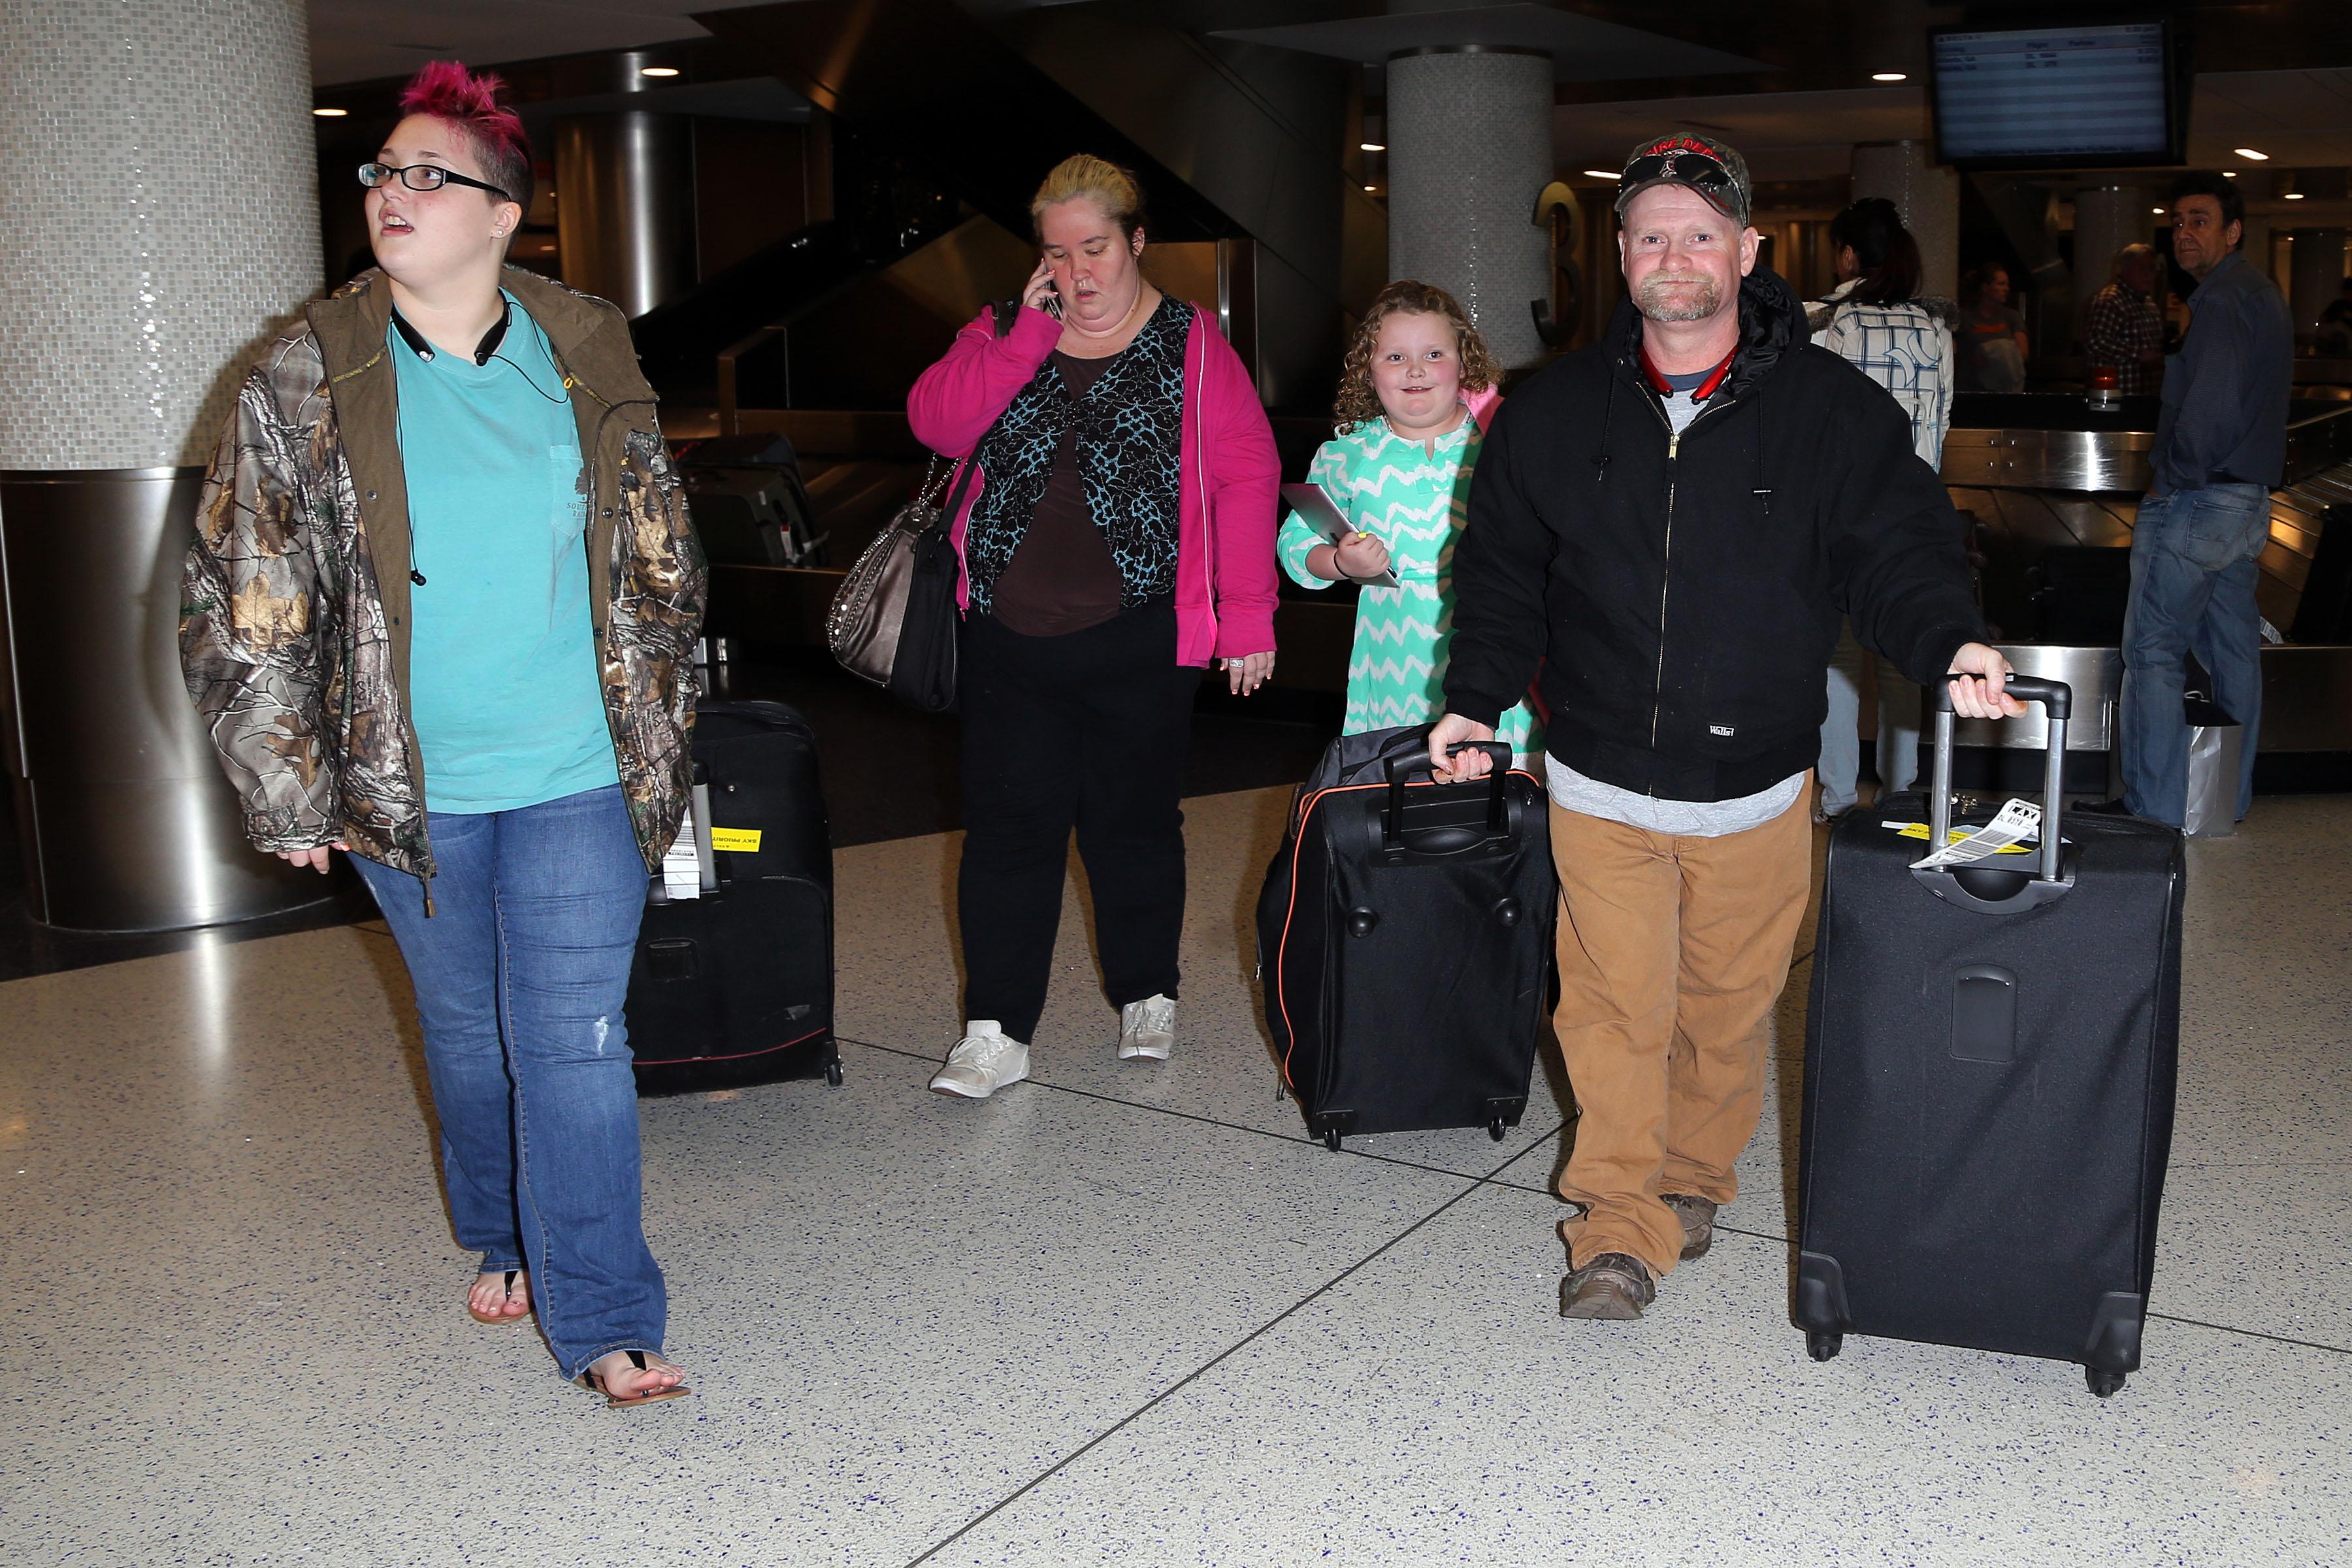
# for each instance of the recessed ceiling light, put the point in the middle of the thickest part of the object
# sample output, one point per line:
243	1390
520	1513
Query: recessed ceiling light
1371	188
1602	174
330	114
1374	146
2294	195
546	247
2229	173
2158	211
1890	76
658	71
2250	153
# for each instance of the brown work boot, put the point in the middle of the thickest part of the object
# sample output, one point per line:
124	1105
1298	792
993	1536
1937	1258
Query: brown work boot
1612	1286
1697	1215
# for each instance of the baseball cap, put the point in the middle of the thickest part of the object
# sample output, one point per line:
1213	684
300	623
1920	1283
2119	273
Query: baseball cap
1714	169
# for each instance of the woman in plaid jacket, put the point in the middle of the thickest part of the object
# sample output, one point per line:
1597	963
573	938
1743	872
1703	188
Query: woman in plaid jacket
1874	319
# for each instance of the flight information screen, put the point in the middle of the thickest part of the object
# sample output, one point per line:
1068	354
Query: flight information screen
2090	93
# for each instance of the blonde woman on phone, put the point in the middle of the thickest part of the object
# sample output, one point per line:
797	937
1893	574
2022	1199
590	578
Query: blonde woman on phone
1118	540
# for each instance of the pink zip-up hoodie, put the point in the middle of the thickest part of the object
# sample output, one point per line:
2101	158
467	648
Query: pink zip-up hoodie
1226	499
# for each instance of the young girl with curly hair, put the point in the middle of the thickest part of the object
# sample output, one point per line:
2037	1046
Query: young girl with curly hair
1415	396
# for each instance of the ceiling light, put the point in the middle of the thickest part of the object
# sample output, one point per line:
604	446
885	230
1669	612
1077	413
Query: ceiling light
544	249
1371	189
2294	195
1890	76
2250	153
2158	211
658	71
2229	173
1602	174
330	114
1374	146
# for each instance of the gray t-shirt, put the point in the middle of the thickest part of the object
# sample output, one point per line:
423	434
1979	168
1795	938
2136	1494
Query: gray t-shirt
1571	791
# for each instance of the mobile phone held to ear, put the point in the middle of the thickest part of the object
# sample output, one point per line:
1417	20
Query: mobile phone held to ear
1053	299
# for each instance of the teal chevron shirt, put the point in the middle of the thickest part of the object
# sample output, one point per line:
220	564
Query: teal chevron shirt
1414	501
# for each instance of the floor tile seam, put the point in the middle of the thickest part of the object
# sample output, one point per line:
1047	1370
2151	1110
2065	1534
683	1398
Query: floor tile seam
2180	1166
2252	1334
1300	1140
1473	1183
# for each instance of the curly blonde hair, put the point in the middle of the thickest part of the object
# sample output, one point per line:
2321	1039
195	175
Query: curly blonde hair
1357	401
1083	177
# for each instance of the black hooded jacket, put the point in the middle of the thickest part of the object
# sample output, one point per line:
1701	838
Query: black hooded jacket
1682	594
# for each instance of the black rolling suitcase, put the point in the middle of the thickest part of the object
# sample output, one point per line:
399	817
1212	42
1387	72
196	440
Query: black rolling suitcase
734	984
1989	1081
1404	935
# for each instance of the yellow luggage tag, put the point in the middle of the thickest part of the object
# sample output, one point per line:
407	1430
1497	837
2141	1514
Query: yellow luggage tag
735	840
1918	830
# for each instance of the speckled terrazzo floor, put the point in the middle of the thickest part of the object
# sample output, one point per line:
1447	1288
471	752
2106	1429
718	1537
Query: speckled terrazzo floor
1120	1314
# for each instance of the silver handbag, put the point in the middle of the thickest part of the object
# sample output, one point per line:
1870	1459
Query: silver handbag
893	620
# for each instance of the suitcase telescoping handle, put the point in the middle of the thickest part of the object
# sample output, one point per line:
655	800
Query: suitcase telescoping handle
1981	886
1402	768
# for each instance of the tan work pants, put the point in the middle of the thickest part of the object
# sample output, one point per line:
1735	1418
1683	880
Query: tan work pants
1672	951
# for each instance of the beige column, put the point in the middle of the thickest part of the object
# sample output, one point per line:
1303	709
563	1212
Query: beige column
1469	139
159	217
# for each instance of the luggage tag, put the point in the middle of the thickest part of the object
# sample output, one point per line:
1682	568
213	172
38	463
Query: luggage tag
1918	830
2017	823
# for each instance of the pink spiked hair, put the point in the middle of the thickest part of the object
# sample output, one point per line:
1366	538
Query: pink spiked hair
445	90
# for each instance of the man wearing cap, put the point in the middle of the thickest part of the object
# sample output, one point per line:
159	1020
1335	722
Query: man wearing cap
1668	524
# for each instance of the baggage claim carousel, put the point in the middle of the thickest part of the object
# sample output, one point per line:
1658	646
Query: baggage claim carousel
2049	487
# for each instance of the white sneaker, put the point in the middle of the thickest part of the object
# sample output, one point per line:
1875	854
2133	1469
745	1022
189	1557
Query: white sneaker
983	1061
1147	1029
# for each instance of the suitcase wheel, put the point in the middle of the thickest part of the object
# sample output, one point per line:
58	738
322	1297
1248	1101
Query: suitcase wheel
1332	1139
833	1072
1495	1129
2106	1384
1822	1343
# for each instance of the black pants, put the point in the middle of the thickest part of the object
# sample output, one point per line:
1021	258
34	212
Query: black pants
1084	730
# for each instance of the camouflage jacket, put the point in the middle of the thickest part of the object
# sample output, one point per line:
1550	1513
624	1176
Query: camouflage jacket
293	629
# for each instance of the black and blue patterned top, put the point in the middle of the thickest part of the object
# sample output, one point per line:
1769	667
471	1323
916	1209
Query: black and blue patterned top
1129	431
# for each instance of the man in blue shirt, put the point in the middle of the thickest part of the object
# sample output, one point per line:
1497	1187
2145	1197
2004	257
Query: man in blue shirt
2220	446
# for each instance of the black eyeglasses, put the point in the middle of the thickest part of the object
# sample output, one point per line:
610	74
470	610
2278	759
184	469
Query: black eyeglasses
422	177
1692	168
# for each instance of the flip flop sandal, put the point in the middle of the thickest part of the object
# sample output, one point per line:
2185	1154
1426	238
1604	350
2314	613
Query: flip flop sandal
623	1400
496	1319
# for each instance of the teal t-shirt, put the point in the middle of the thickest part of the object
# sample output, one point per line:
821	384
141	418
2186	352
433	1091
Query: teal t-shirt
503	658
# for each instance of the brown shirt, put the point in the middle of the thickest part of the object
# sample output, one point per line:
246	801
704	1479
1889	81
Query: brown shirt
1062	578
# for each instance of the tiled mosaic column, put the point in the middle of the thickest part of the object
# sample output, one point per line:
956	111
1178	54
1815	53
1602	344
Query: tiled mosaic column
158	217
1469	136
1927	195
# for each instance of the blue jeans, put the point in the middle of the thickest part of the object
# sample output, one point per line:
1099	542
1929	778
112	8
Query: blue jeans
519	975
2192	591
1899	727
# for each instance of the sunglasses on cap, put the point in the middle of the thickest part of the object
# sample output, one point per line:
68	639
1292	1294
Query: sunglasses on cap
1692	168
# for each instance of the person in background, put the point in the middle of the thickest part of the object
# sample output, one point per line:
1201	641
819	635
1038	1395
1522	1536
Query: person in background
1873	320
1119	539
2334	338
1668	522
2220	446
1415	395
2123	328
440	614
1992	336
